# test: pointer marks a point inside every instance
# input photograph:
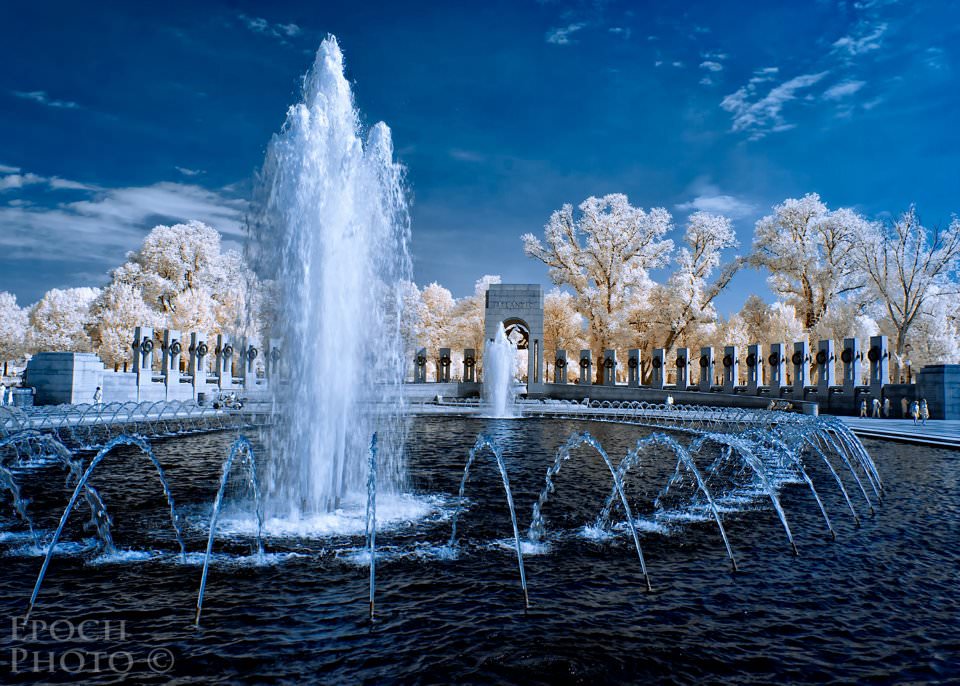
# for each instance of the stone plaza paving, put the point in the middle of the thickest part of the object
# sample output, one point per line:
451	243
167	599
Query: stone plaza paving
938	433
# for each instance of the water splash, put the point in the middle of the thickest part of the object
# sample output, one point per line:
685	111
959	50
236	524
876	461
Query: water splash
331	228
145	449
575	440
478	447
499	357
241	446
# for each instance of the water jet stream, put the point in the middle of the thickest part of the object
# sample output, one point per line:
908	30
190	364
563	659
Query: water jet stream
482	442
144	447
241	444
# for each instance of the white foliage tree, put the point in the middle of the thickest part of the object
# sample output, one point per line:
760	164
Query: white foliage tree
436	322
604	256
910	267
14	324
118	310
681	311
563	327
812	254
59	321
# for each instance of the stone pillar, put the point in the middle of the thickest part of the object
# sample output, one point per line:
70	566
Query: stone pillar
778	368
586	367
731	368
560	367
225	354
420	366
754	368
198	367
706	369
443	372
852	358
172	350
609	367
658	377
801	368
826	375
248	363
143	356
683	368
633	367
470	365
274	359
879	356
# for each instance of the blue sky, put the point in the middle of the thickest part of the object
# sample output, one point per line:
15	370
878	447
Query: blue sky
115	117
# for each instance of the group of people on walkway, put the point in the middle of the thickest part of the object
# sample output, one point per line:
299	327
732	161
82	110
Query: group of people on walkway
919	412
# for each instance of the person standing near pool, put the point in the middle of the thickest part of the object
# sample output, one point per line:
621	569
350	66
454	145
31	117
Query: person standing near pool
924	411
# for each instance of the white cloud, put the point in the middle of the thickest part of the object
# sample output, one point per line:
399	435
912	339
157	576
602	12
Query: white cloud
42	98
262	26
761	115
706	81
561	35
189	172
863	39
466	155
57	183
6	169
112	221
12	181
710	65
678	64
843	89
710	199
934	58
620	31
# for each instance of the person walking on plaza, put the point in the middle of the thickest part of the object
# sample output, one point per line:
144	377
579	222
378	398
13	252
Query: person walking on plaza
904	407
863	408
914	412
924	411
876	408
886	408
98	396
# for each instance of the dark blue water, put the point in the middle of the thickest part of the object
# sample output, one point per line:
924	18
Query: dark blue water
879	605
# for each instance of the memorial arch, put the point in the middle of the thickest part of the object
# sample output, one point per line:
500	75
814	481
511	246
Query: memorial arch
519	307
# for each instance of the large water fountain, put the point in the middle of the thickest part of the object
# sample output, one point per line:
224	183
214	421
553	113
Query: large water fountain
532	547
331	230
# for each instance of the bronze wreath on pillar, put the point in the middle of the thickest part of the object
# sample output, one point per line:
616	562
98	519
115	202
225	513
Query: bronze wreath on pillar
822	357
175	348
146	346
445	360
797	357
874	354
657	363
227	350
608	363
774	359
202	350
727	361
751	360
584	362
847	355
275	354
704	361
633	363
560	362
469	361
681	362
252	353
421	360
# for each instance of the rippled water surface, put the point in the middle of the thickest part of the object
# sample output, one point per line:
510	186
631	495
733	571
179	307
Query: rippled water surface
878	605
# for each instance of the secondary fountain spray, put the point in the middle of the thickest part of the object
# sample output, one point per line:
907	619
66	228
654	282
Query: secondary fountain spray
331	229
499	357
